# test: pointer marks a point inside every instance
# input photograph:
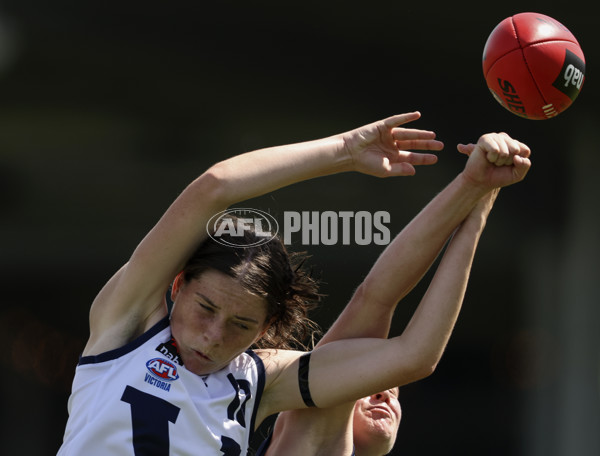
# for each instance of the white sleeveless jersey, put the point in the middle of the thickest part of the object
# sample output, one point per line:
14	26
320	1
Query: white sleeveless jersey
138	400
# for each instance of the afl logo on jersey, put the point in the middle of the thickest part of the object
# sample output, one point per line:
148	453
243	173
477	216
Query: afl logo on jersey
162	369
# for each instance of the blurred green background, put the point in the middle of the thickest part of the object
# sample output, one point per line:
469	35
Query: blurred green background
108	109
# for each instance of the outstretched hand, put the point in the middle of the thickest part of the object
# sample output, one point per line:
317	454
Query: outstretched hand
497	160
382	148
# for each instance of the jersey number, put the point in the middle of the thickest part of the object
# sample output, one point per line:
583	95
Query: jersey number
151	415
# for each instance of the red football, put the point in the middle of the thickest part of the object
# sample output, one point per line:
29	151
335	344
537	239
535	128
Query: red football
533	65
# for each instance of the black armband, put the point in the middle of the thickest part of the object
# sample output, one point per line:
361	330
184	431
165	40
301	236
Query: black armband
303	380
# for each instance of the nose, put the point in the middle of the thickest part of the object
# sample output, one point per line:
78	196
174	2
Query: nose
383	396
213	334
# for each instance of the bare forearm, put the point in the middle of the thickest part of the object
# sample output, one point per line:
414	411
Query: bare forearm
404	262
265	170
409	256
376	149
430	328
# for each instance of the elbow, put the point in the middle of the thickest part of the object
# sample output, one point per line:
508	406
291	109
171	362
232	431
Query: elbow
210	188
418	373
422	367
425	370
422	352
380	305
370	289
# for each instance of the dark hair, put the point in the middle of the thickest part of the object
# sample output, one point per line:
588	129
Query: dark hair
271	272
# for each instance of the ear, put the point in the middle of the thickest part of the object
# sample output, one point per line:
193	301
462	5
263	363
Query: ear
177	284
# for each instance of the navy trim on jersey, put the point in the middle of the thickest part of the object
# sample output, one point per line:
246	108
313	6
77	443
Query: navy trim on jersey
262	449
260	386
129	347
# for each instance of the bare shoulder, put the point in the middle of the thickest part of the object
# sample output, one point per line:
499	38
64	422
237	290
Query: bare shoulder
277	362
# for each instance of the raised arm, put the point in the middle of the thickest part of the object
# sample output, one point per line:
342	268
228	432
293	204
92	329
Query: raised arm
404	262
369	313
132	300
356	368
401	266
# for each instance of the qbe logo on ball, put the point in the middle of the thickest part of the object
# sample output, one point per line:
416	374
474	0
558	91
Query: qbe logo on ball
234	223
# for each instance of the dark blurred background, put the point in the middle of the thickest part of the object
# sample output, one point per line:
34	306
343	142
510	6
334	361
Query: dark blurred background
108	109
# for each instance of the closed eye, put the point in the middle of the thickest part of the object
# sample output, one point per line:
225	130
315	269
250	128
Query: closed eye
207	308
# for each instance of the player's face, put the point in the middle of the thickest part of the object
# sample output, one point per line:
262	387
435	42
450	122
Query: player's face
214	319
376	421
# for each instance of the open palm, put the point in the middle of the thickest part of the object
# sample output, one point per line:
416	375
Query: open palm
383	149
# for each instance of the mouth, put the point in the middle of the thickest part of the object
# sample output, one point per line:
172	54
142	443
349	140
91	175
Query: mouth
382	411
202	355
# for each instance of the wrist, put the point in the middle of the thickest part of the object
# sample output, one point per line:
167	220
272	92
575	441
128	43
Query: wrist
477	218
342	159
342	152
473	186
